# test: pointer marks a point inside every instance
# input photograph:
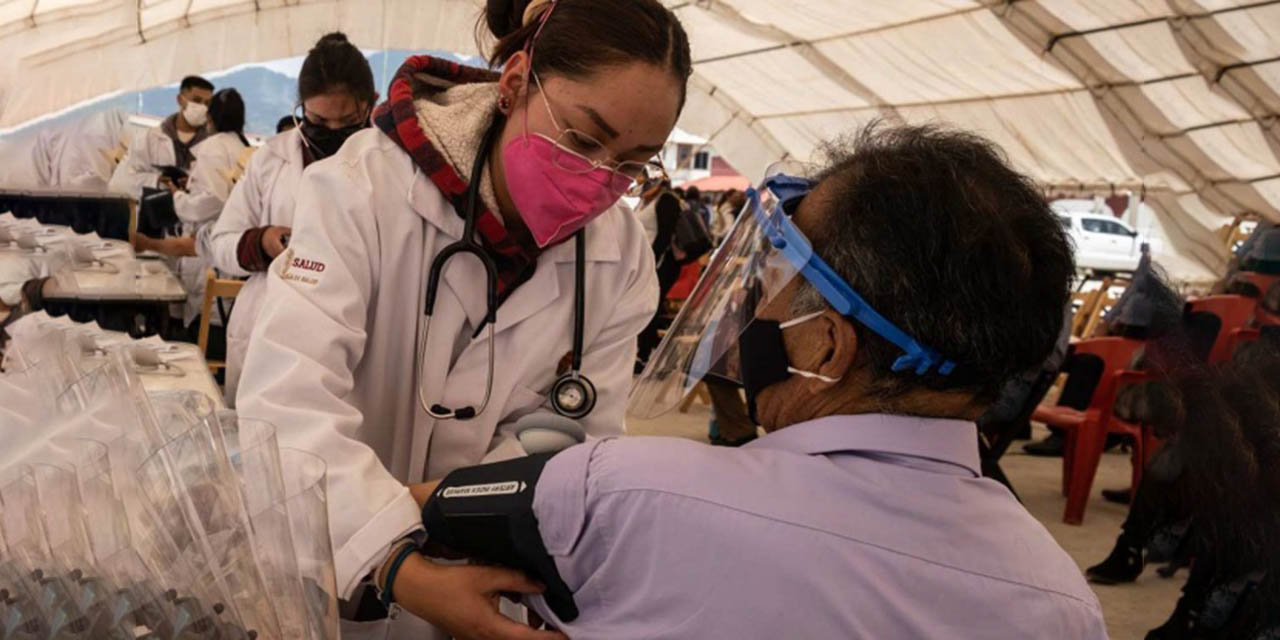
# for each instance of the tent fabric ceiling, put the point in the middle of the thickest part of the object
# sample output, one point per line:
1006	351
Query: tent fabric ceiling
1177	98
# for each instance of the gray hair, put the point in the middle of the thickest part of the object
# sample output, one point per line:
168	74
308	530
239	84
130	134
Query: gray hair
936	232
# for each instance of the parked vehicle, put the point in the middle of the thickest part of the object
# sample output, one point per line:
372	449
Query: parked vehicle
1102	242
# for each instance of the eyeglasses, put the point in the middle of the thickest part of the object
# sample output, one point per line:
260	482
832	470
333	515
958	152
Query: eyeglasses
578	152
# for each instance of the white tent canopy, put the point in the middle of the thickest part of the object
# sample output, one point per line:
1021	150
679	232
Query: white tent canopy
1177	99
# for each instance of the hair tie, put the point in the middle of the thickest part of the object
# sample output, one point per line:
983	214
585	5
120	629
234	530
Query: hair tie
531	11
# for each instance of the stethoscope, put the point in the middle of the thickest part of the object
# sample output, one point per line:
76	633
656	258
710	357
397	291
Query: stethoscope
572	395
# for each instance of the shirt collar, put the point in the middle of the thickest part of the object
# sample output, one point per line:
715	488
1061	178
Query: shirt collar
944	440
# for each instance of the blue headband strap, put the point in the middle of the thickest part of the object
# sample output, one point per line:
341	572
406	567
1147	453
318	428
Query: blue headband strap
787	239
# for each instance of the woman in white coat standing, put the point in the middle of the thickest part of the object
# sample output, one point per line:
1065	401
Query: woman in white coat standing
199	204
336	93
343	361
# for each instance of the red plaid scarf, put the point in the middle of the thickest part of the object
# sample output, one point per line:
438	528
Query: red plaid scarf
515	257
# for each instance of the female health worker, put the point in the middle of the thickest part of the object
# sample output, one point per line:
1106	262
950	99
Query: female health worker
201	202
335	89
344	361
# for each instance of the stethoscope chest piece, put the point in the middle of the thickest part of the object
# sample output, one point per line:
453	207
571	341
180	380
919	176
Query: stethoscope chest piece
573	396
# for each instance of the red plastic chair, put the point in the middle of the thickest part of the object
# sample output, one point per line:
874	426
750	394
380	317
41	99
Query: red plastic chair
1086	431
1264	318
1262	281
1236	312
685	283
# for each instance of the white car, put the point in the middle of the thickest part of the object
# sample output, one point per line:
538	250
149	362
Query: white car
1101	241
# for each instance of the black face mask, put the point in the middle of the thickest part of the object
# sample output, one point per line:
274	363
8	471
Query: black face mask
325	141
762	360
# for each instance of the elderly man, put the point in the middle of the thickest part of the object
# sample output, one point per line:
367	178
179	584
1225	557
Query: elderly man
876	311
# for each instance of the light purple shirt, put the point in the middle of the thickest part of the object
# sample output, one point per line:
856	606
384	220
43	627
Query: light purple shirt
867	526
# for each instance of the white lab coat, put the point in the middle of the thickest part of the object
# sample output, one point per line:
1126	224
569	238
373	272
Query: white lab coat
138	169
197	207
263	197
16	269
84	162
46	155
647	214
332	361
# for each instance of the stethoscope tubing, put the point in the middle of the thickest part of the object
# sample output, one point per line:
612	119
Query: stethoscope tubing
467	244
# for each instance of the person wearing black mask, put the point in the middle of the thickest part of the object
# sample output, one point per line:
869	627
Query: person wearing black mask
336	94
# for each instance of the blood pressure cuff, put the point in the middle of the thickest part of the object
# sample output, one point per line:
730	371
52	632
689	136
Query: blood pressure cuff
486	513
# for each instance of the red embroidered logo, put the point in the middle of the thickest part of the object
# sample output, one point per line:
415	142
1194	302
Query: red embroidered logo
309	265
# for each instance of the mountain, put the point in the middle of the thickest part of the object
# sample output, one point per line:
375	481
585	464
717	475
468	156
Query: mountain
385	63
268	95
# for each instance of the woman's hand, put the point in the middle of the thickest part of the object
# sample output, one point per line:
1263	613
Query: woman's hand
273	241
463	600
178	246
143	242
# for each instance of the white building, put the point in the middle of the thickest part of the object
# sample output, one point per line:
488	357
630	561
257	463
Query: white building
687	157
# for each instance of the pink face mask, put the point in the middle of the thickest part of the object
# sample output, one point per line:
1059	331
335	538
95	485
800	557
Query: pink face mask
556	191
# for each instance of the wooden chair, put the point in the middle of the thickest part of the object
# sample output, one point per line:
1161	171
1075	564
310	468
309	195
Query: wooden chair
233	174
116	154
1091	305
246	154
1234	233
699	393
214	287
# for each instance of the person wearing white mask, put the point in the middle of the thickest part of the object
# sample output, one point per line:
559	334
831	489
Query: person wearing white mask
168	145
198	207
86	163
520	170
336	93
76	155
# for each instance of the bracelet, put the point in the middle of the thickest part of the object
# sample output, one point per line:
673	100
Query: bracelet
387	596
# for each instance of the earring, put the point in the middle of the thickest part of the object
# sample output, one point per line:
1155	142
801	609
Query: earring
504	104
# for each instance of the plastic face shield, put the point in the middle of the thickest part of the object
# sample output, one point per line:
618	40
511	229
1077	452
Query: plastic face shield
763	253
744	275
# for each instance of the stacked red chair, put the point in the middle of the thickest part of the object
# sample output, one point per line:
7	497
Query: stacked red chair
1263	281
1236	313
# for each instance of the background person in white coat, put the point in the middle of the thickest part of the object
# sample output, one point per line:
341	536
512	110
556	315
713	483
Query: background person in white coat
335	89
333	360
168	145
78	155
198	207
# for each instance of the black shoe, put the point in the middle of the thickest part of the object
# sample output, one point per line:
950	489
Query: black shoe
1023	432
1181	625
1124	441
1118	496
1051	446
1123	565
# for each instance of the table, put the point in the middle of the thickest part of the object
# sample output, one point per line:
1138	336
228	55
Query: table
109	214
196	377
126	279
186	368
123	283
